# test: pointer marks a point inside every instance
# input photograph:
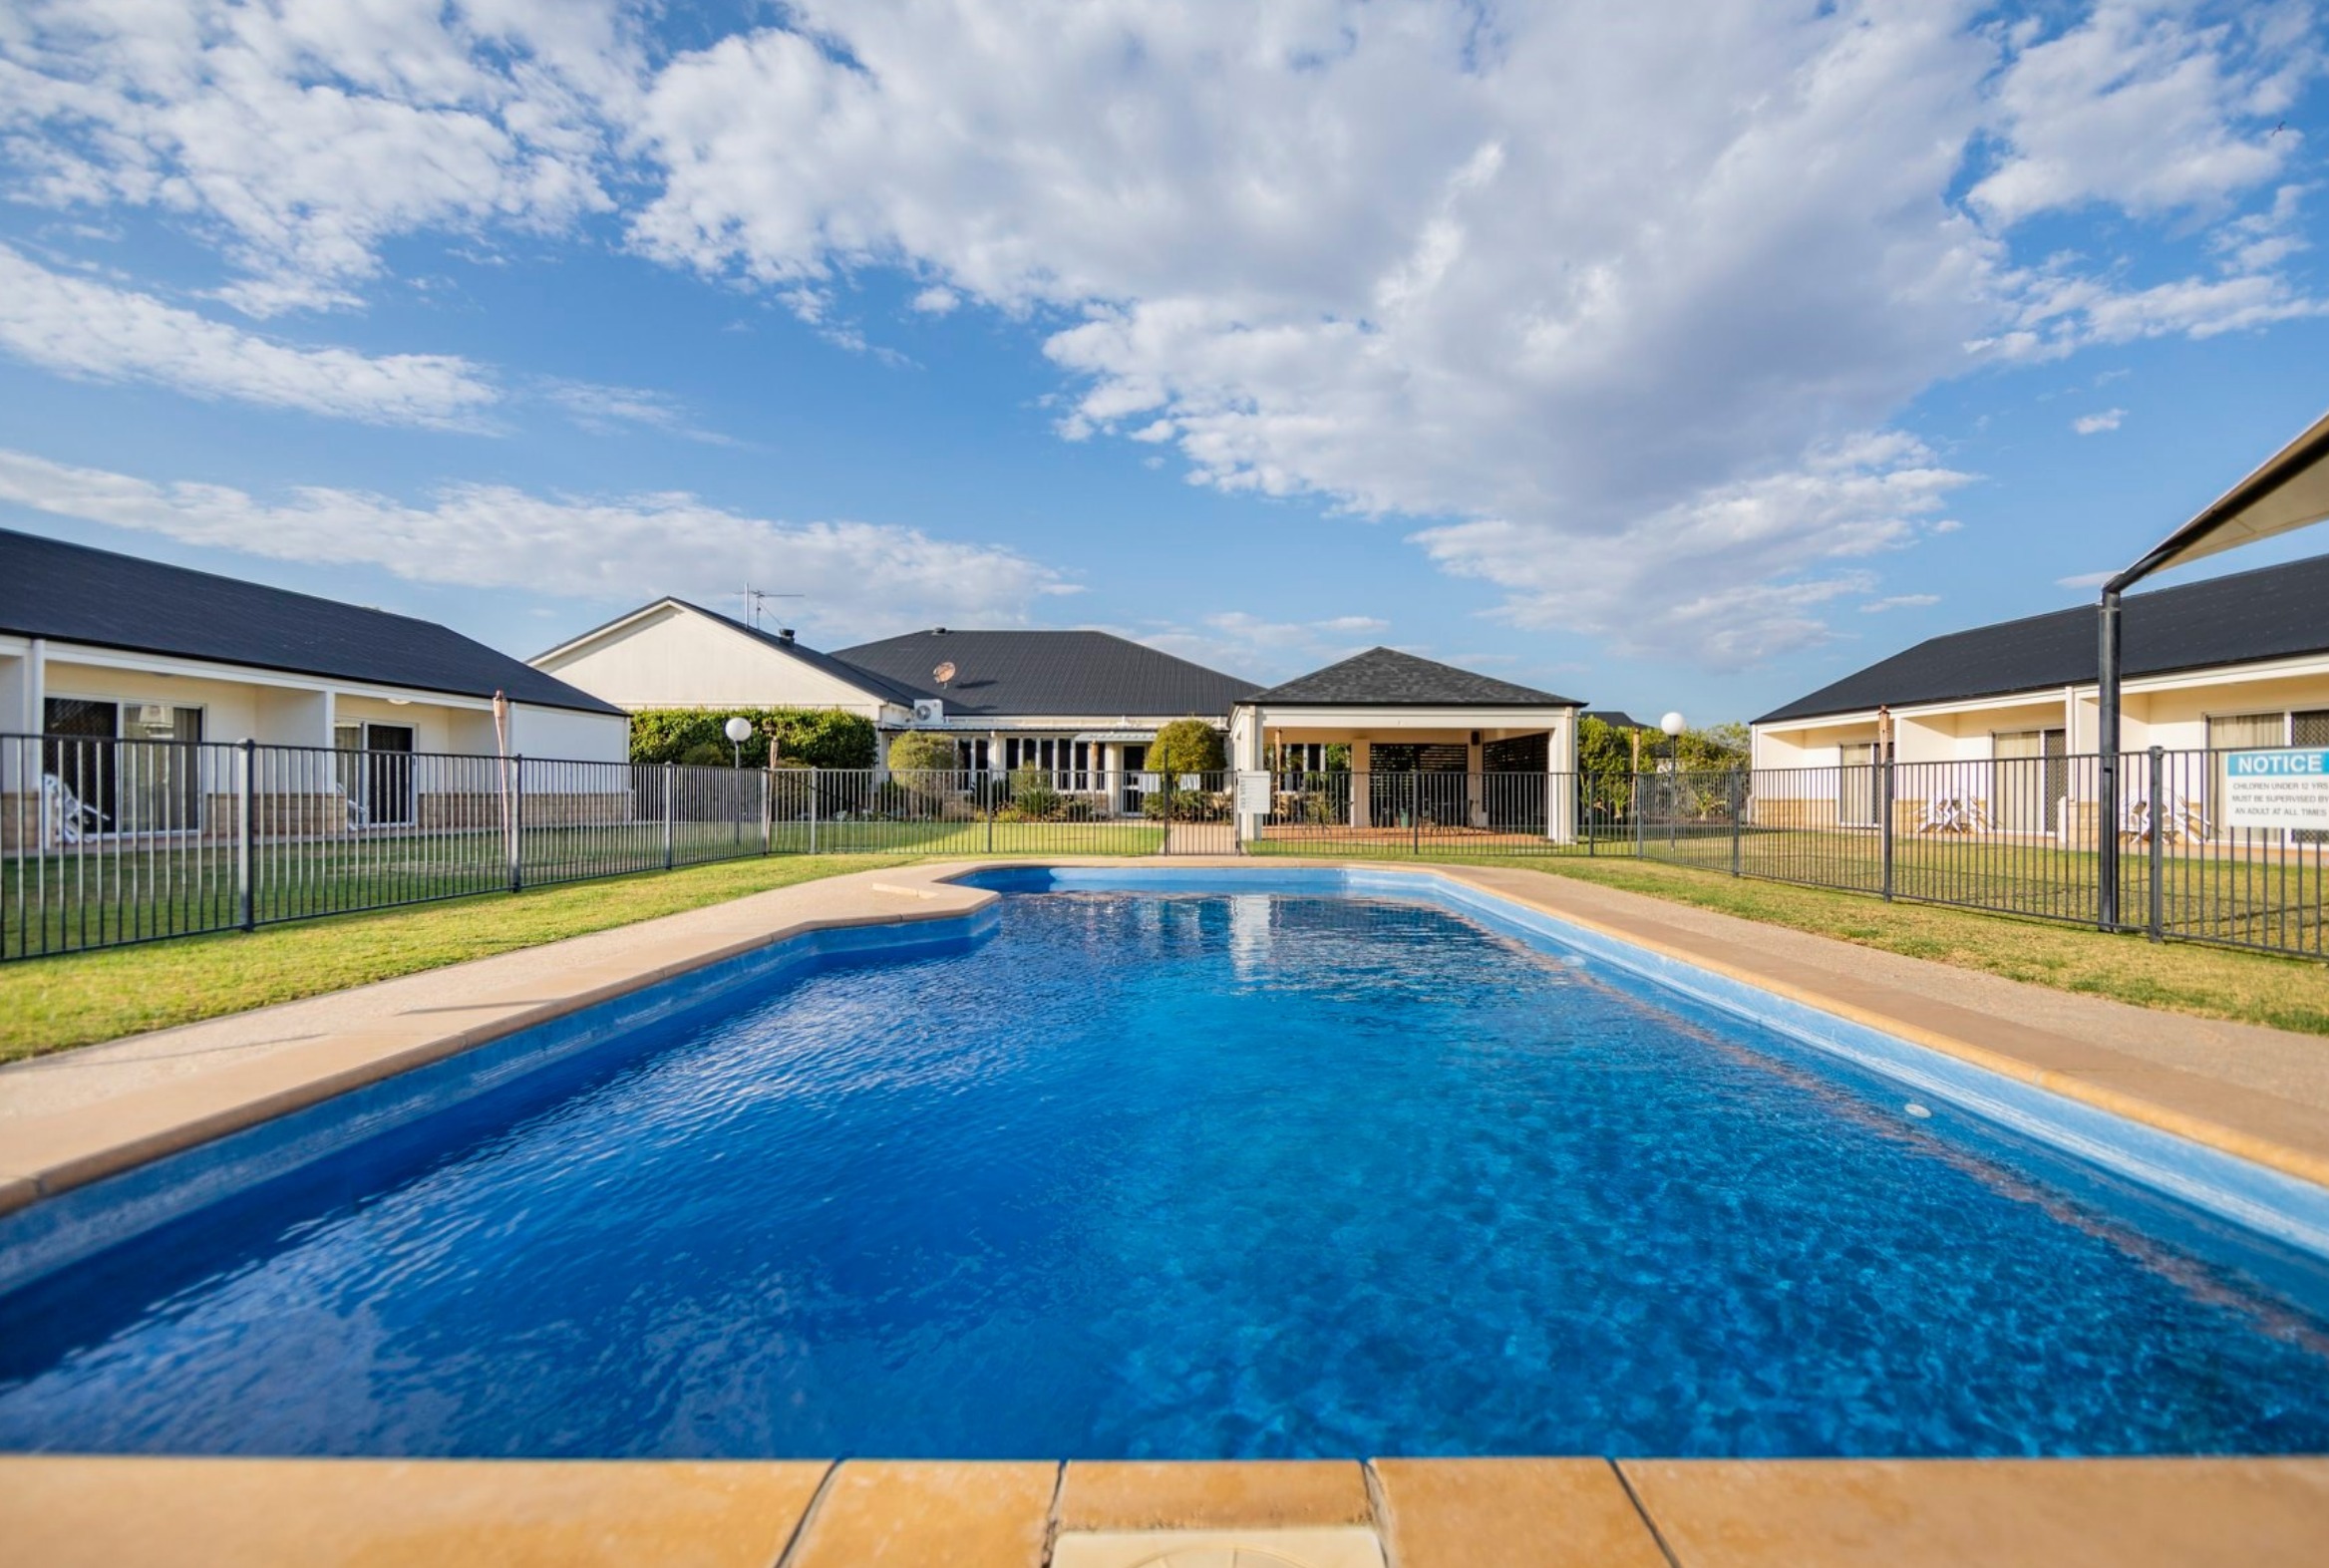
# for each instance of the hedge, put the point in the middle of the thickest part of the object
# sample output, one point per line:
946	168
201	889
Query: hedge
818	737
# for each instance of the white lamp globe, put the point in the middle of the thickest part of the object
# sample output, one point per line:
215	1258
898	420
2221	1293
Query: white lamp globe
1672	724
736	730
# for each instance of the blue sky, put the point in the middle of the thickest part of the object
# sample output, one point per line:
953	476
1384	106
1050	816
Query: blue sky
1664	367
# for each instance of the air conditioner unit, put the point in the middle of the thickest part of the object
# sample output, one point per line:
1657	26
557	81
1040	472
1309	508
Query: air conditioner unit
155	714
929	710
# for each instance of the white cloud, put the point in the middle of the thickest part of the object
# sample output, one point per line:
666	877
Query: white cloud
858	578
605	410
92	330
2140	108
1900	601
1571	287
305	133
1265	650
2096	423
1421	263
1763	557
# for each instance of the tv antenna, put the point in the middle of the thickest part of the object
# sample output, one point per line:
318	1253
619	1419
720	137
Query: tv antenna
753	598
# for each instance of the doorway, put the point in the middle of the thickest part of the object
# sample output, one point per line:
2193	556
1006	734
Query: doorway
376	772
1136	761
2029	778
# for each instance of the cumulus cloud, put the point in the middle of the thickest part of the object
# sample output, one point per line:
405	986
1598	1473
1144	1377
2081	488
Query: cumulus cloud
95	331
1429	265
856	578
305	133
2137	106
2096	423
1599	303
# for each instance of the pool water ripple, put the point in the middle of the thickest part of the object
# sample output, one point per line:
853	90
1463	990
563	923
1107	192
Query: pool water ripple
1195	1176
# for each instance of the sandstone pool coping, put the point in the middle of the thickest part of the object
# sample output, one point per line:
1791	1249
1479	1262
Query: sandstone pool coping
67	1511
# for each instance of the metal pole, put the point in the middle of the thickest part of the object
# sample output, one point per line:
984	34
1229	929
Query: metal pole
1415	812
517	824
1640	845
1733	798
1885	817
2156	815
768	804
246	833
2107	764
670	777
813	810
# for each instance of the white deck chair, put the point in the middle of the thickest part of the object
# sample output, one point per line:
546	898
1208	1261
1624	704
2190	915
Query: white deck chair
71	815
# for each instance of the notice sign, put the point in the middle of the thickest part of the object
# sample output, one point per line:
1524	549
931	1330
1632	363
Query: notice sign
2282	788
1253	795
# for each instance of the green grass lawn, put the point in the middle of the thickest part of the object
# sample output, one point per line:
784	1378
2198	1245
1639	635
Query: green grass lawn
48	1004
55	1003
2205	982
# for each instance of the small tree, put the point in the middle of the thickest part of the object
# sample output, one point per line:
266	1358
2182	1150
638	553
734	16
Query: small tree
1188	745
921	752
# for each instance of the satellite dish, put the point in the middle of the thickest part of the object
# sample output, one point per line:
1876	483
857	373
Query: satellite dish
945	672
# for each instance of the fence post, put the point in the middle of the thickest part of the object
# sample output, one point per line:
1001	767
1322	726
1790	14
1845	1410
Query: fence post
768	804
517	824
987	801
2157	818
1733	792
1641	846
1884	819
813	810
670	781
1415	812
246	833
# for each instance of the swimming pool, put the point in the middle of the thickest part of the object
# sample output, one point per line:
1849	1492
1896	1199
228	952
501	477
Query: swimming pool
1187	1171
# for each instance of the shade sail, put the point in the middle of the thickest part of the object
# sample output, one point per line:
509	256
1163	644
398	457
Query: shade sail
2288	490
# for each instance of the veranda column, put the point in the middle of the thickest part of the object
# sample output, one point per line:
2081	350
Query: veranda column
1560	781
1362	783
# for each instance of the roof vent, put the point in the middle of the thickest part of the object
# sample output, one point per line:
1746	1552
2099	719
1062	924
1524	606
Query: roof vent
937	631
784	634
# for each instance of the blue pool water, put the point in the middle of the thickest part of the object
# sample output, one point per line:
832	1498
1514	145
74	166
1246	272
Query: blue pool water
1184	1176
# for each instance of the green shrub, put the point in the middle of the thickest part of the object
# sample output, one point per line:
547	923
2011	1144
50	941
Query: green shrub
1188	745
708	753
1032	793
921	752
817	737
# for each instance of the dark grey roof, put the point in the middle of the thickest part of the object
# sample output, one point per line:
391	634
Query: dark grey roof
48	588
2274	612
1035	673
1618	718
1385	676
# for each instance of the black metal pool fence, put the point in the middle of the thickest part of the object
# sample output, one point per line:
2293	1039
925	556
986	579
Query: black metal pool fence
110	841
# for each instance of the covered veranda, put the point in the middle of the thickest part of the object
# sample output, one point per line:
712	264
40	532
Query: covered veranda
1386	744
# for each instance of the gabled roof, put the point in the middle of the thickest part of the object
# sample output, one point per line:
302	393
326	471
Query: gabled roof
1034	673
1618	718
74	593
1385	677
866	681
2273	612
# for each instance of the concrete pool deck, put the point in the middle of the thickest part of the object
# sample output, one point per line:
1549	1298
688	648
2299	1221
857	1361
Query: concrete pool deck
76	1117
63	1512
